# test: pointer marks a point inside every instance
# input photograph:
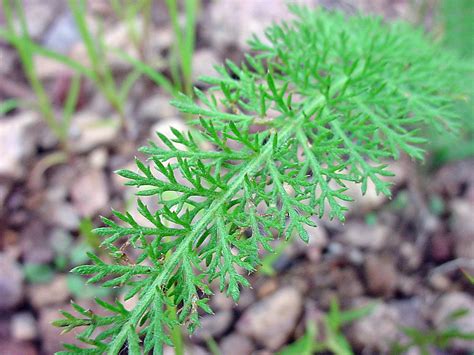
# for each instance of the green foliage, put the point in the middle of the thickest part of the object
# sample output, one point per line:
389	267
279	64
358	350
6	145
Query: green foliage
184	39
332	339
99	71
86	229
458	29
427	340
8	105
458	26
129	12
469	277
324	100
38	273
96	52
20	39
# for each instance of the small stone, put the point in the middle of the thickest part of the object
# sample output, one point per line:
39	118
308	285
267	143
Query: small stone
17	143
375	332
267	287
441	247
98	158
348	284
221	302
233	22
411	256
61	241
335	249
101	7
9	244
48	68
39	15
373	237
204	61
272	320
156	107
4	190
99	105
455	178
90	192
63	34
462	225
9	347
439	282
90	131
162	37
236	344
355	256
412	312
247	298
23	327
408	285
213	325
449	304
54	292
381	275
5	328
55	209
118	37
363	203
11	283
189	349
34	243
7	62
318	239
61	214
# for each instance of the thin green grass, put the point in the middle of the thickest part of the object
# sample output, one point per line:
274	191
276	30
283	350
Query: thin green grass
99	70
456	18
21	40
96	52
130	12
183	49
8	105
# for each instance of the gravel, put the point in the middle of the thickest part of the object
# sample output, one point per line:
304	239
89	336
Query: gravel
271	320
11	283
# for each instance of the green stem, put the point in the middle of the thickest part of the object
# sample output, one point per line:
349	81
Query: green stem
191	9
176	333
182	51
172	6
25	52
208	217
103	76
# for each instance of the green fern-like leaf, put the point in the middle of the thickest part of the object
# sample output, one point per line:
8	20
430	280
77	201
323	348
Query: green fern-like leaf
324	101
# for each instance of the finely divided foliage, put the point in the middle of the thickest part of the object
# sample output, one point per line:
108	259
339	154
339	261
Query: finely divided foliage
323	100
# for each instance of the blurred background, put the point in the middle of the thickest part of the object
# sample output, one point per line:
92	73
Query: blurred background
83	84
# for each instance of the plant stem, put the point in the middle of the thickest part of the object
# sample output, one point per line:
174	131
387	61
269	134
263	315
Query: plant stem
176	332
191	9
22	44
181	69
200	227
172	6
96	52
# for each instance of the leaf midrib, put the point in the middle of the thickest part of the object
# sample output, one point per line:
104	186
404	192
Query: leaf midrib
235	185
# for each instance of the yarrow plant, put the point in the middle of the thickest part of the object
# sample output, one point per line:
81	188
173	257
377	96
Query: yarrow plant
324	100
